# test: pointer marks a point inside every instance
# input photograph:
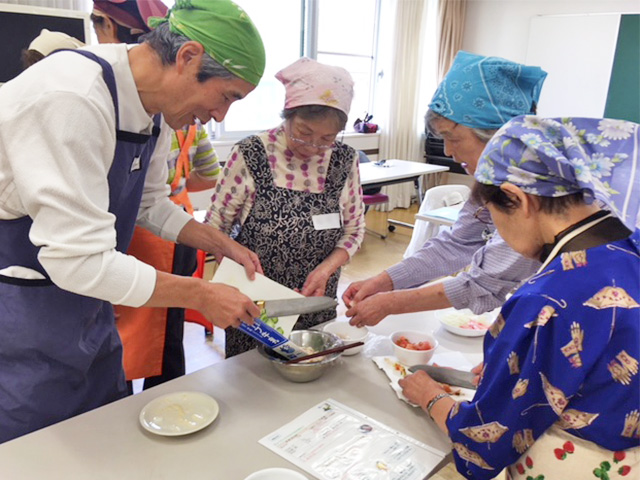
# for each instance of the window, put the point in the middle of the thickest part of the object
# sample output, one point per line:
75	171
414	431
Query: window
321	29
281	30
347	33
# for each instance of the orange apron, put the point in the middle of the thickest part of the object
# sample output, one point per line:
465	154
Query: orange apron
143	329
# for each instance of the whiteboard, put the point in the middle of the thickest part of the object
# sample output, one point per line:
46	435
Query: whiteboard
577	52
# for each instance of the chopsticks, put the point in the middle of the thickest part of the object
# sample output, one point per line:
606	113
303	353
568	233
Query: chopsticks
323	353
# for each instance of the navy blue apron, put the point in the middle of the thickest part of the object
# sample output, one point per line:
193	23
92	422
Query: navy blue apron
60	353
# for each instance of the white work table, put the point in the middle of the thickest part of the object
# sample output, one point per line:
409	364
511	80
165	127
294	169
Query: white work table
442	216
110	443
392	171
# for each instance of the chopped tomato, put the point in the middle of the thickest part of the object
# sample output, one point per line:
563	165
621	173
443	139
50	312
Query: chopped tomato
405	343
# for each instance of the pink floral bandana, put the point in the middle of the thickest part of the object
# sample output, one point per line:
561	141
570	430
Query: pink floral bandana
308	82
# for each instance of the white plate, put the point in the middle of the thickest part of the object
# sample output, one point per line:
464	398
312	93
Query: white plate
452	321
179	413
276	474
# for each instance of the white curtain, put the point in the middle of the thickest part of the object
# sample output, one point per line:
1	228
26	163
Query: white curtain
399	90
451	15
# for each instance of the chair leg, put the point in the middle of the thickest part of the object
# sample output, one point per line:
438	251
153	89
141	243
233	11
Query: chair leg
372	232
366	209
382	236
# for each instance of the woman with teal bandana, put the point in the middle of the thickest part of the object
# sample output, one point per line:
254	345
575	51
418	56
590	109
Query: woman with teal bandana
79	171
559	395
476	97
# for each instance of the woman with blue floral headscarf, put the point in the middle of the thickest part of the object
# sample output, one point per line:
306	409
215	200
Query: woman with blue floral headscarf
559	395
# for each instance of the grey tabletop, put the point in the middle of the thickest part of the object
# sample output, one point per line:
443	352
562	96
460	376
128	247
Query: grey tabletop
110	443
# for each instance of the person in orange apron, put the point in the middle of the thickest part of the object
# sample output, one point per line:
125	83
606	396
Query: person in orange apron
152	337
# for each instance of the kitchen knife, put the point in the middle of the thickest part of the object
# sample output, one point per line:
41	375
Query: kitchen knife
450	376
295	306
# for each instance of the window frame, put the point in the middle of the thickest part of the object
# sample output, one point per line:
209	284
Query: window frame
309	48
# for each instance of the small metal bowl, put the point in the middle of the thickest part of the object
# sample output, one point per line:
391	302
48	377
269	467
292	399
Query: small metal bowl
305	372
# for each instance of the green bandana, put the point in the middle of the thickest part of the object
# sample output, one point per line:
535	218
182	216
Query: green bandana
225	31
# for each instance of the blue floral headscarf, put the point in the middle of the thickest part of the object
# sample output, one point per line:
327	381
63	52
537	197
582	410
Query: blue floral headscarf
553	157
486	92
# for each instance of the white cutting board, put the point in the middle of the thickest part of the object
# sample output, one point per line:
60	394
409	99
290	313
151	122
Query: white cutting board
262	288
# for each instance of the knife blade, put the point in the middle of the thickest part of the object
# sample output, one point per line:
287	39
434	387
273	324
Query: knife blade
295	306
450	376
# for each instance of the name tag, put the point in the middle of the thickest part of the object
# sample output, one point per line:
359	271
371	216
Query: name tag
326	221
135	165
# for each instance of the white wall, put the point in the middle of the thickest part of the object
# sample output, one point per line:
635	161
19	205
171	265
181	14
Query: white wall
501	27
574	87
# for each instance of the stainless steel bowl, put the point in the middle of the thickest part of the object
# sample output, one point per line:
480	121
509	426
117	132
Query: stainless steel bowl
305	372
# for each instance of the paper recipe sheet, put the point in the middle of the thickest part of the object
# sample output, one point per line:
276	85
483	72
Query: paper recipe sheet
334	442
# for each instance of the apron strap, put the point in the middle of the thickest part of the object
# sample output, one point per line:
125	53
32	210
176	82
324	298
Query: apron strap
107	74
183	166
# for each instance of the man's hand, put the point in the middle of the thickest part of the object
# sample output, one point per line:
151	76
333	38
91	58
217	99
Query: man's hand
230	248
226	306
207	238
221	304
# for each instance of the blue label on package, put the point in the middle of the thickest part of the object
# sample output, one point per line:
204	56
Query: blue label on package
272	339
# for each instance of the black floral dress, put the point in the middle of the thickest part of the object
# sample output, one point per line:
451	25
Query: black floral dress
279	229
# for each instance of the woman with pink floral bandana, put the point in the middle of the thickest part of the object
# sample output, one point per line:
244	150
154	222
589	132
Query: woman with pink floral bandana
294	191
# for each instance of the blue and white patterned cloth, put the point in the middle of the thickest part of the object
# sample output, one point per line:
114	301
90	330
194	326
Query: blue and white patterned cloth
486	92
553	157
563	352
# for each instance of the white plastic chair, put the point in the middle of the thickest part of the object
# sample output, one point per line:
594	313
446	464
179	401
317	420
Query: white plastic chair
435	197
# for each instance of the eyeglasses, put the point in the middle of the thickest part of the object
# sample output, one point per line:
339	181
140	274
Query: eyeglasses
436	133
304	143
482	215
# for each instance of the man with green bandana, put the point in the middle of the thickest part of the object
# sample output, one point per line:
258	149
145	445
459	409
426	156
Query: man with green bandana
83	160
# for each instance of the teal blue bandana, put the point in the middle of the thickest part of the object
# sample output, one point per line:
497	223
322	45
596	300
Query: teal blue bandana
486	92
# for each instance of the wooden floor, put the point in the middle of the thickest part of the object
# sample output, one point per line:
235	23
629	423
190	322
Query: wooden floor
374	256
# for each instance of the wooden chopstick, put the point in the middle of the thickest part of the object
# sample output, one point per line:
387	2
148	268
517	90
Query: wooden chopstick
323	353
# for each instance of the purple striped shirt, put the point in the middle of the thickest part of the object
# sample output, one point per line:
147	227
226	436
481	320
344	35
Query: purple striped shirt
494	268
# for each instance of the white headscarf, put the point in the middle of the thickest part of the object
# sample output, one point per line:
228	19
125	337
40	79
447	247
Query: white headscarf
48	42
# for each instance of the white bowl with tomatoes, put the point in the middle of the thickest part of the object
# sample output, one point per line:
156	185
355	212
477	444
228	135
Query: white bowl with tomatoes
413	347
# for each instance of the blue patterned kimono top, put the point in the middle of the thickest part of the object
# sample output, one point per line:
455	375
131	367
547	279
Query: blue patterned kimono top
563	351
